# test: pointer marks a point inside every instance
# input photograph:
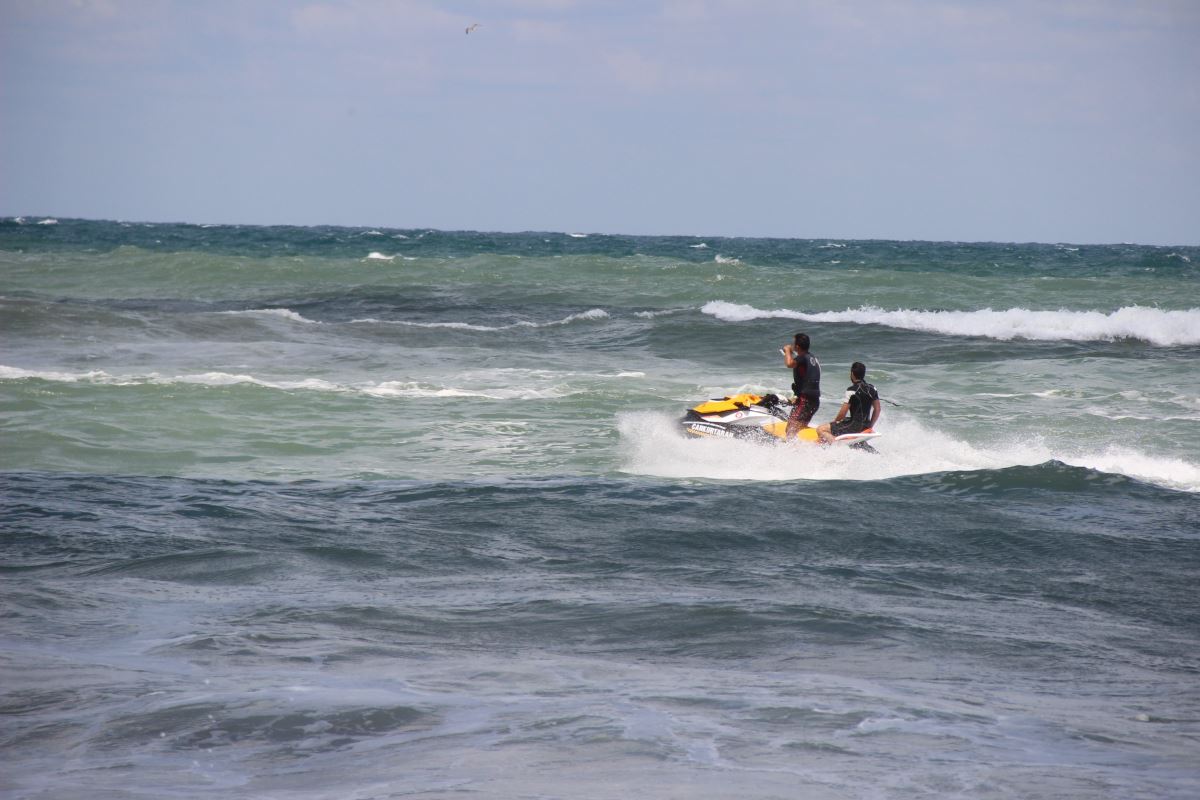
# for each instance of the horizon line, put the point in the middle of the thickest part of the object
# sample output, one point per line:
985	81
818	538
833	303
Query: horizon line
576	232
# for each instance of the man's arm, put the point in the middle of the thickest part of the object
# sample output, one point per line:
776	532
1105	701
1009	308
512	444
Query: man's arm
876	410
842	412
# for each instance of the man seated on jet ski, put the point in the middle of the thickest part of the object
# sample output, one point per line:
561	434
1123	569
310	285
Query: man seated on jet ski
861	401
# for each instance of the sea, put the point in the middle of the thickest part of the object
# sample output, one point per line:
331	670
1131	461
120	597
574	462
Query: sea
328	512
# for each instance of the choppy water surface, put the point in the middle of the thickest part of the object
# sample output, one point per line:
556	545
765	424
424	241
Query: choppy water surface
297	512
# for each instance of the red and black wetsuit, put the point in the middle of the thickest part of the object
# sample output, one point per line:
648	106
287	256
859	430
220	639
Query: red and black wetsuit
806	383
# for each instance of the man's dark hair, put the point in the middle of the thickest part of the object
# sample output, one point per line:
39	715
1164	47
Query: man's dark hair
858	370
802	341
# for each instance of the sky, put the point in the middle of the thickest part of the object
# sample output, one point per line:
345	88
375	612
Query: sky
1022	120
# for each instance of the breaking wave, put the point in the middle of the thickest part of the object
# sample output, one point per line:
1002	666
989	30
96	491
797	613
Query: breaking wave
591	314
1165	328
285	313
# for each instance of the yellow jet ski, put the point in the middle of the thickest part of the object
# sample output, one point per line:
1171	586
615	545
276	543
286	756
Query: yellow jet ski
761	418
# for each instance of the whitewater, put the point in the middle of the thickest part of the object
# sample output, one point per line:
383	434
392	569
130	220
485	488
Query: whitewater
1153	325
356	513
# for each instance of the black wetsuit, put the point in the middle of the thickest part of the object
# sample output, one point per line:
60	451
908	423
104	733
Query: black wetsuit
806	376
806	383
861	396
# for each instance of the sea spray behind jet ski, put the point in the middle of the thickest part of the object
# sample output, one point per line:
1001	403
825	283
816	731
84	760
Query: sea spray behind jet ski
761	418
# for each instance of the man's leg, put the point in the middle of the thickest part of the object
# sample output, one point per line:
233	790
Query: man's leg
825	433
798	418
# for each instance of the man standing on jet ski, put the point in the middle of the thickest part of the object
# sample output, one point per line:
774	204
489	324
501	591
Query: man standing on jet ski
806	383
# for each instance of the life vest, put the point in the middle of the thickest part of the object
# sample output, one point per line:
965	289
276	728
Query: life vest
806	376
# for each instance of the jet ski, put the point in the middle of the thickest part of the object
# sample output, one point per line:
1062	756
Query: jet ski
759	418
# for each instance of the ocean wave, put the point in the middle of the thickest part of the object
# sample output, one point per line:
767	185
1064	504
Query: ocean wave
416	389
19	374
285	313
460	326
1166	328
654	446
412	389
101	377
664	312
377	256
591	314
1172	473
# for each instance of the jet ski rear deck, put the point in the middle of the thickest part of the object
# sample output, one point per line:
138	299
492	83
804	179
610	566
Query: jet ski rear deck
761	418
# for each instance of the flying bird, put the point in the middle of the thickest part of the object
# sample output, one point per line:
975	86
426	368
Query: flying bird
474	25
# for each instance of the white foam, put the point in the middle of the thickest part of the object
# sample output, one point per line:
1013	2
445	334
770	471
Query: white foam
48	221
1173	473
720	259
1159	406
1154	325
701	246
463	326
653	445
374	256
285	313
153	378
18	374
656	447
216	379
590	314
419	390
228	379
577	235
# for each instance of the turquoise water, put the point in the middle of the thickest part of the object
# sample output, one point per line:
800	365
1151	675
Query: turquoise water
342	512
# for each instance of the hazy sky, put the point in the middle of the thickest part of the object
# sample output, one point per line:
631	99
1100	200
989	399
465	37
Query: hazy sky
1013	121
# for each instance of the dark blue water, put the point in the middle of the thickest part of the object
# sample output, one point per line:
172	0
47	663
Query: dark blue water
1029	632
